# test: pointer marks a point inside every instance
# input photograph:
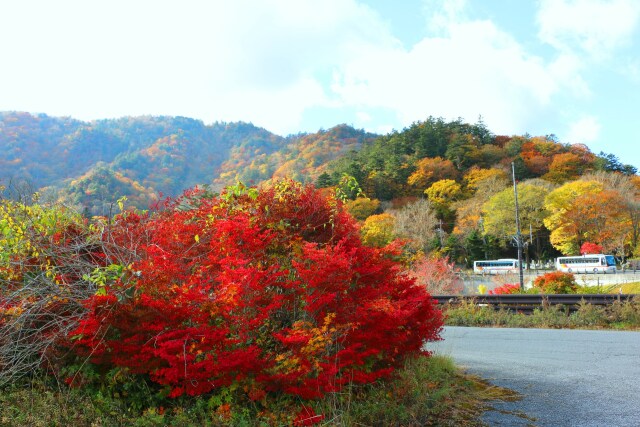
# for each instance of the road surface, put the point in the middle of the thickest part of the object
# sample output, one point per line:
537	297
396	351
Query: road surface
567	377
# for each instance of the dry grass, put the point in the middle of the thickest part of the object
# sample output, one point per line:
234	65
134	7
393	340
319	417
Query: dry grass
619	315
425	392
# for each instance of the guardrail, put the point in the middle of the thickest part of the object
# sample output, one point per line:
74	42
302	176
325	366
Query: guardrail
526	303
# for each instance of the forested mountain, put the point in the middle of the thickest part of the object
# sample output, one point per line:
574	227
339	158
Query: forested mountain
303	157
93	163
445	184
405	163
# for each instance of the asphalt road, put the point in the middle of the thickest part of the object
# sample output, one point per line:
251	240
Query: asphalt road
567	377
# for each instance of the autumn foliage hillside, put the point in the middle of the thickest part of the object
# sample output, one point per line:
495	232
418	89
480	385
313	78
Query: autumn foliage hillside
462	174
92	164
568	195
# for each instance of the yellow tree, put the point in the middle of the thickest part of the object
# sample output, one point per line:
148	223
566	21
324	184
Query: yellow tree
444	192
484	183
557	203
633	206
474	178
378	230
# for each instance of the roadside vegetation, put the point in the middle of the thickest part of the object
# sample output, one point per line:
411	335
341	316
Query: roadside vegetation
254	307
619	315
425	391
267	306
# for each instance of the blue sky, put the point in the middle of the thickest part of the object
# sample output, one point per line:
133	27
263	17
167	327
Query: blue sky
564	67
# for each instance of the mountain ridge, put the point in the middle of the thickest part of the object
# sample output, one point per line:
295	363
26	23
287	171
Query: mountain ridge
93	163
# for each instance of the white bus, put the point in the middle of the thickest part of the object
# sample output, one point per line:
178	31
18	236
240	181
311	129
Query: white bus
596	263
497	266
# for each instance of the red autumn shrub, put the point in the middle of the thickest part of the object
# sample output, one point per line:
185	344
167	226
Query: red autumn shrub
506	289
590	248
556	282
270	290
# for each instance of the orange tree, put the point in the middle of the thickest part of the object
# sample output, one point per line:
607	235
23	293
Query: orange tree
598	218
556	282
262	291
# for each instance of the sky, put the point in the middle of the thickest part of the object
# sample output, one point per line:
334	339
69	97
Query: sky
570	68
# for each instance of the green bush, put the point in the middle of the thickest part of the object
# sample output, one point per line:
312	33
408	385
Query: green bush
471	314
589	315
625	313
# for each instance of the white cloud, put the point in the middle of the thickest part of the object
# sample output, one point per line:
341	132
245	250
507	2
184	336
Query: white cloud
473	70
585	130
567	68
363	117
270	61
597	27
631	69
442	14
261	61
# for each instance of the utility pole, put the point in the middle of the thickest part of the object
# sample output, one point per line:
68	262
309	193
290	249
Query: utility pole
518	233
529	243
484	239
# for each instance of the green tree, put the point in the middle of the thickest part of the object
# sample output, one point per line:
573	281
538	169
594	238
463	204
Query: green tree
477	246
324	180
461	149
348	188
611	163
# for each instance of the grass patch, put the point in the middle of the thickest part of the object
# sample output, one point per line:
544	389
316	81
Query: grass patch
619	315
625	288
629	288
427	391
